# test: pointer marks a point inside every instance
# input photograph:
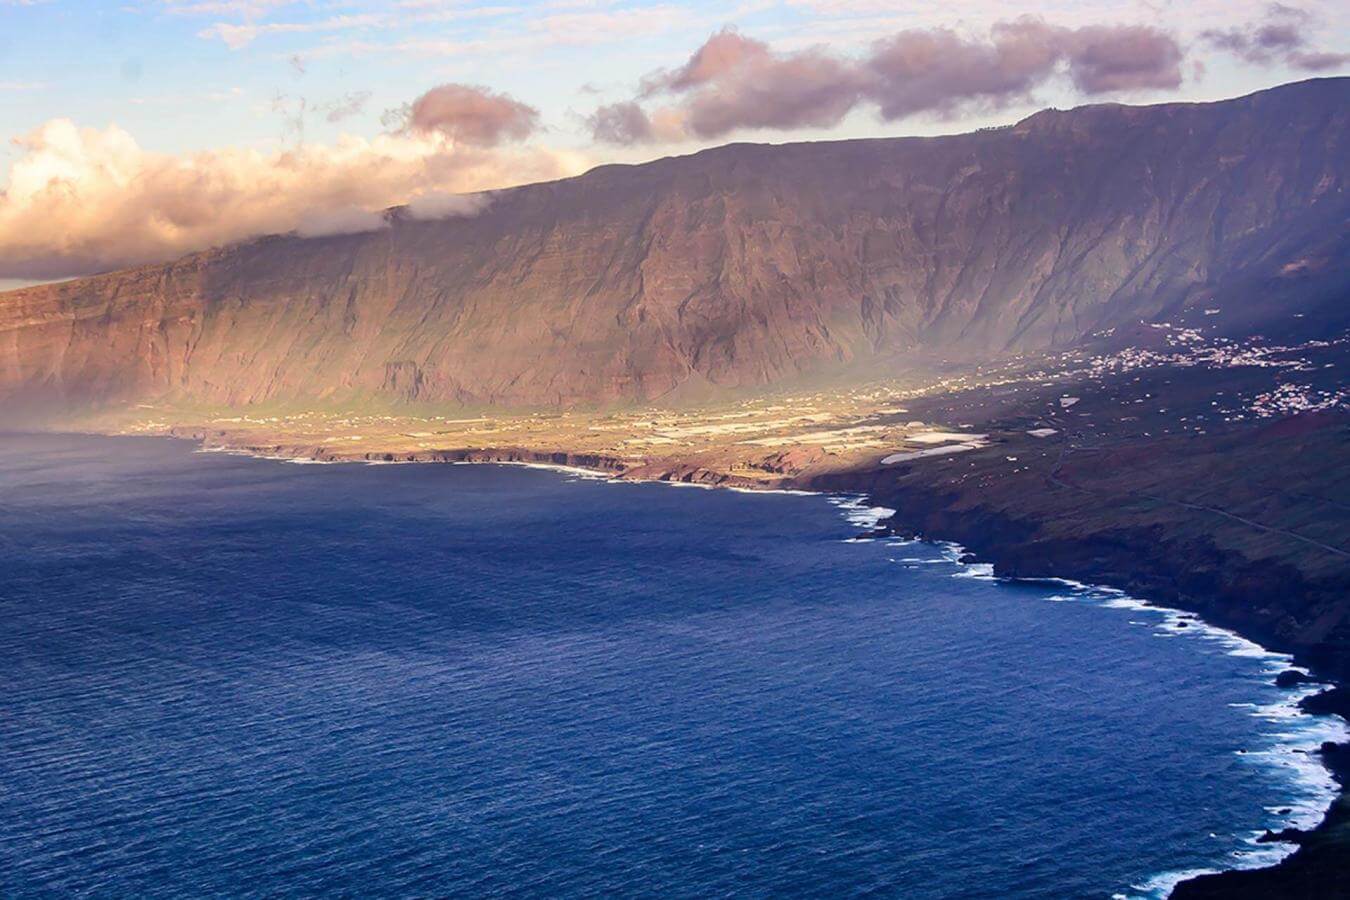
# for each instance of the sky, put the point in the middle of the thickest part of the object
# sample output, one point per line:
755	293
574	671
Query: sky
140	130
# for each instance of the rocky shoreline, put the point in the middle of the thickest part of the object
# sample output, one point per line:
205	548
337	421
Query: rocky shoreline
1320	867
1143	563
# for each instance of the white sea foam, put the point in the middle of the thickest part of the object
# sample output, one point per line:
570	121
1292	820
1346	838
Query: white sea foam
982	571
858	513
1161	885
231	451
690	484
1288	747
574	471
274	457
789	491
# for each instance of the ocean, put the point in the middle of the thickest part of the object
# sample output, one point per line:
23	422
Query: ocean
230	676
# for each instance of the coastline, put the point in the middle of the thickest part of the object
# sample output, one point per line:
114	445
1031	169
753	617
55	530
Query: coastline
1290	873
1321	854
978	538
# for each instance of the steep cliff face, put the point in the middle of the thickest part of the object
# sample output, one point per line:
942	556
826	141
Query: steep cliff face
737	267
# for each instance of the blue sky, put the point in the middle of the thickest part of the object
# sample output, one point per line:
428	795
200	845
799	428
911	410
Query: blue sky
159	71
150	83
165	72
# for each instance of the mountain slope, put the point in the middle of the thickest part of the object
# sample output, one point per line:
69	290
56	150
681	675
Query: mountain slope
737	267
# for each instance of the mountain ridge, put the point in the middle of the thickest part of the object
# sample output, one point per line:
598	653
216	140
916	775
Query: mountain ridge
736	268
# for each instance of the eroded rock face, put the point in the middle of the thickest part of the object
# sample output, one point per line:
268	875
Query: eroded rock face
736	267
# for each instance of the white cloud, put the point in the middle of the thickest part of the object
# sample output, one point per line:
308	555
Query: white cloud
400	34
237	37
244	9
84	199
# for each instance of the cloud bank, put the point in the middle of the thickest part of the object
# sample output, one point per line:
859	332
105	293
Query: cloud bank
472	115
82	200
79	200
735	82
1281	37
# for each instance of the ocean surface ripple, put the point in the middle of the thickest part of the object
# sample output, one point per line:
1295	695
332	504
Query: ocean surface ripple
229	676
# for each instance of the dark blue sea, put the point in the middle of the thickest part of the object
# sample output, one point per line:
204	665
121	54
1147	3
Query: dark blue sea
224	676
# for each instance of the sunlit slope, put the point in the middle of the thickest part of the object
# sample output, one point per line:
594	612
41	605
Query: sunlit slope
736	268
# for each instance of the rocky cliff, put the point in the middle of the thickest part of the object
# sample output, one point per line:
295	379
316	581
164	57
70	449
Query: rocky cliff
736	267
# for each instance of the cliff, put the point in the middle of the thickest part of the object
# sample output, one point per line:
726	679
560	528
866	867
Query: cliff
736	268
